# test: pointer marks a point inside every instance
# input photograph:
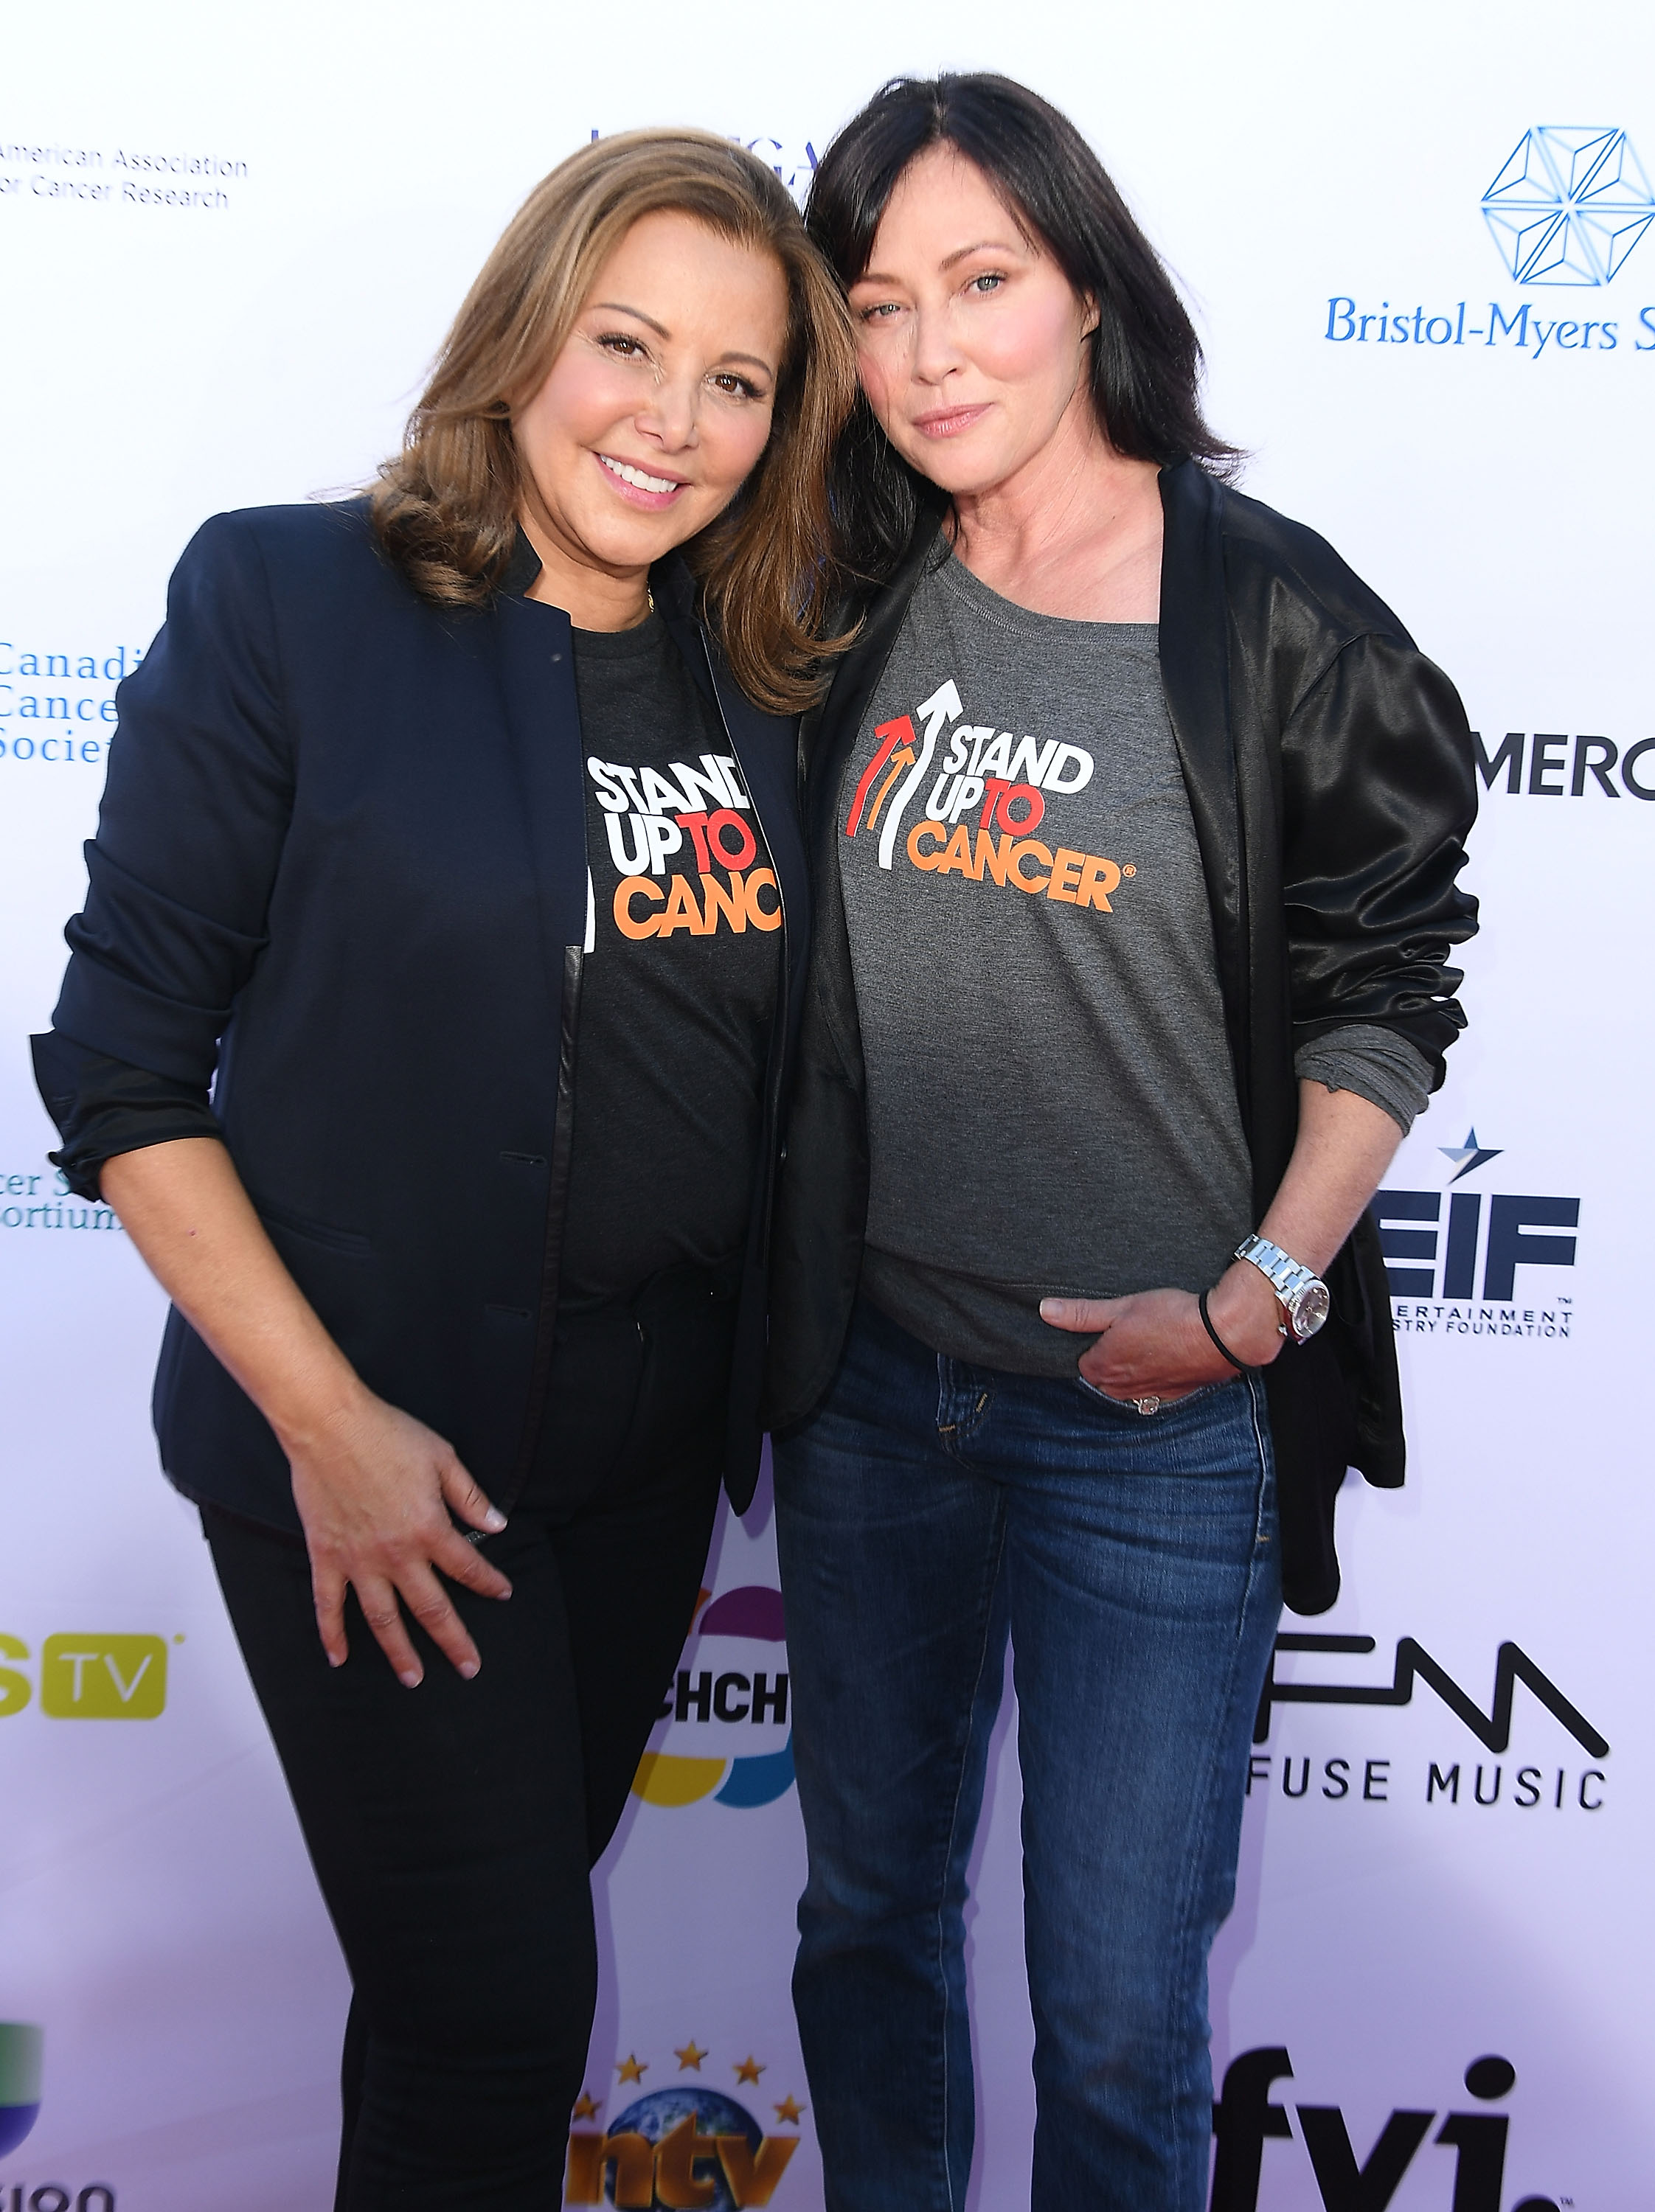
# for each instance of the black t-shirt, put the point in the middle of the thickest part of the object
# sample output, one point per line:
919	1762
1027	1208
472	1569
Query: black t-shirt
682	970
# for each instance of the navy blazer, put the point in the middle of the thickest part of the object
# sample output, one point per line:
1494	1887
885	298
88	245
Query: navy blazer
340	871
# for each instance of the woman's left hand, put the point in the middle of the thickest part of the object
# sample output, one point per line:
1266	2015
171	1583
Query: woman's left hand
1152	1345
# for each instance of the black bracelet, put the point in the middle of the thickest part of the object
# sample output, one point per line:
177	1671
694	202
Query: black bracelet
1240	1365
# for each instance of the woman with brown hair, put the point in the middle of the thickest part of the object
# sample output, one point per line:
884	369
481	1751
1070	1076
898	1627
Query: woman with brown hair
449	843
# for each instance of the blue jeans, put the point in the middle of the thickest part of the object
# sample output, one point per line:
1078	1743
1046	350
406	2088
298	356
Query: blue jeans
930	1508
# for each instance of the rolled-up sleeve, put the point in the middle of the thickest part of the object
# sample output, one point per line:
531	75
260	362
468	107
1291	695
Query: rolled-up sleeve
190	834
1378	795
104	1107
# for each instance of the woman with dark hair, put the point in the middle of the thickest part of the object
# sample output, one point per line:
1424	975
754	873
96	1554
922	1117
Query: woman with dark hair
443	838
1135	821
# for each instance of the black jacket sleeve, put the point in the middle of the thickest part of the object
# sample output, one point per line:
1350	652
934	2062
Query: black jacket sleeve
103	1106
190	834
1379	793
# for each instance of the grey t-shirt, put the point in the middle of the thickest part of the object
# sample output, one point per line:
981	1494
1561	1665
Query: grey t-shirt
1051	1103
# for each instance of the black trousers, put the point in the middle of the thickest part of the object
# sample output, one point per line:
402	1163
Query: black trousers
452	1827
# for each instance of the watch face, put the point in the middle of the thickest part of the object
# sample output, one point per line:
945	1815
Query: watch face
1310	1310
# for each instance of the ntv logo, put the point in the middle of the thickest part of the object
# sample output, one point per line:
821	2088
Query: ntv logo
1569	206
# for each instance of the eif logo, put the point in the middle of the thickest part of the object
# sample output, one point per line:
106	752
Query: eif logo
1569	204
1244	2120
1440	1255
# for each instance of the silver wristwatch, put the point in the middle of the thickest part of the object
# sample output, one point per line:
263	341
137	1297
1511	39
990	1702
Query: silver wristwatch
1301	1293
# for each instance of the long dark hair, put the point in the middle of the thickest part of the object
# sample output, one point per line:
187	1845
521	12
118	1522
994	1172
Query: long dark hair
1146	357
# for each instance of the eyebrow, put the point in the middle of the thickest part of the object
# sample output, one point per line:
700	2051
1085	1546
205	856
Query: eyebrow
620	307
960	253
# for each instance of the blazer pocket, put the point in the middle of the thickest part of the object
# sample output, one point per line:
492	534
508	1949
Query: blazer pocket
348	1241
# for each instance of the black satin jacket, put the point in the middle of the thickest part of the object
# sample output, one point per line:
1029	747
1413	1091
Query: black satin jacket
1329	771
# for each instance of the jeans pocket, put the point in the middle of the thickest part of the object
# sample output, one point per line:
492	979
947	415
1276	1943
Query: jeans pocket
1162	1405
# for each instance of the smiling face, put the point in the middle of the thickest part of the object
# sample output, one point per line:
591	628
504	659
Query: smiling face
654	413
969	338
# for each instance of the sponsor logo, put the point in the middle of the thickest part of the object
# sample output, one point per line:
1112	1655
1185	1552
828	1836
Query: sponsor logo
989	794
728	1701
1564	767
1566	208
22	2051
794	169
1244	2120
131	176
1568	205
23	1205
48	699
1370	1781
88	1678
690	2144
1435	1266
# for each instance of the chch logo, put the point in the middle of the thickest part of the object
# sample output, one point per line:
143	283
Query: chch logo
20	2049
740	1700
690	2144
1569	206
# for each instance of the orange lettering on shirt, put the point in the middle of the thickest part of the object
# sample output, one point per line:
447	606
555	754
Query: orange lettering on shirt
958	855
929	831
996	858
625	892
1097	879
762	917
731	904
682	913
1065	876
1041	852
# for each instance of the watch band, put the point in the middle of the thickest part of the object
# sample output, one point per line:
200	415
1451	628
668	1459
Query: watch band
1300	1291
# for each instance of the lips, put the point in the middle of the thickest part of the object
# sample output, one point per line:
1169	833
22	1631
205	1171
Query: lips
641	479
949	421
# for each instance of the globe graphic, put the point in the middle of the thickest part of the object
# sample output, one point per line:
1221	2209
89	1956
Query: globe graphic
713	2113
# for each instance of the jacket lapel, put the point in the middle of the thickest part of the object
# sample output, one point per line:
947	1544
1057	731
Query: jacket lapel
536	662
763	746
1194	632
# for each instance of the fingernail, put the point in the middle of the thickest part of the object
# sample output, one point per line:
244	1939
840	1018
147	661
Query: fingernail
469	1667
1052	1309
493	1519
411	1680
334	1661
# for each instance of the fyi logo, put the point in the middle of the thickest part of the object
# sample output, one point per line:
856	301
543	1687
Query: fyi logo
1244	2120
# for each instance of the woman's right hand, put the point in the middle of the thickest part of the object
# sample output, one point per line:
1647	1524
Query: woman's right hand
375	1487
375	1490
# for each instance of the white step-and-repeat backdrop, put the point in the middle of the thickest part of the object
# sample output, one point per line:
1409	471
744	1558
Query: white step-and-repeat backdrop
1414	240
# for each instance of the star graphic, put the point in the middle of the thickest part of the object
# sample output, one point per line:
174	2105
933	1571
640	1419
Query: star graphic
586	2109
692	2055
791	2111
1469	1155
749	2070
629	2070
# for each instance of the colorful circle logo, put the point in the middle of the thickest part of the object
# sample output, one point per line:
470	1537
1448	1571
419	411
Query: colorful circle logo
21	2049
754	1613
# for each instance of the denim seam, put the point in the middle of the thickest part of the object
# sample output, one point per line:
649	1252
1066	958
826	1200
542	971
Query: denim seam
954	1825
1196	1860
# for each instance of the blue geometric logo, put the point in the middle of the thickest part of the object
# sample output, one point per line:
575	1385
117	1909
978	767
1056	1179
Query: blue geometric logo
1569	206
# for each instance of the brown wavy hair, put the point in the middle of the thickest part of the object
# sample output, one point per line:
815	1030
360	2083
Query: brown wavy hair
446	507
